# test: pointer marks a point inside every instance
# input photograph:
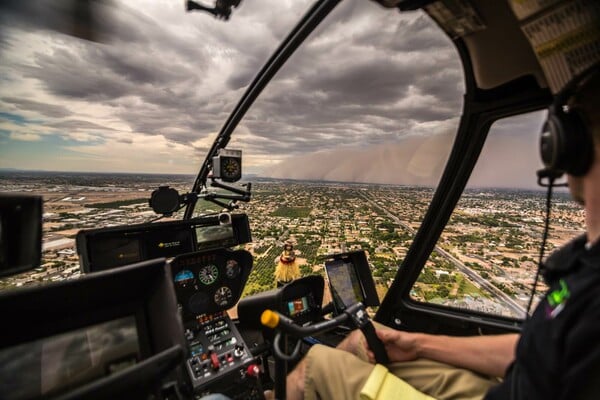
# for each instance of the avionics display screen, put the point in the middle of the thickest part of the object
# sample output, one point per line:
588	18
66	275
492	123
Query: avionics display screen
297	306
344	283
116	251
58	363
215	235
169	243
20	233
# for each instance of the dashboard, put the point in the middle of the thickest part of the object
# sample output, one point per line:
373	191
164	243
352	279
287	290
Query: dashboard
208	279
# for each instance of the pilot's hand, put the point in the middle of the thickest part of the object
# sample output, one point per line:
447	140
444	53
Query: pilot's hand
399	345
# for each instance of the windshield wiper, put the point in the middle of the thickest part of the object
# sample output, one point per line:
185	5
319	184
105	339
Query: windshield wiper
307	24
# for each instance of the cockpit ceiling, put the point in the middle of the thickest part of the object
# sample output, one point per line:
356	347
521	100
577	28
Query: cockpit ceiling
498	49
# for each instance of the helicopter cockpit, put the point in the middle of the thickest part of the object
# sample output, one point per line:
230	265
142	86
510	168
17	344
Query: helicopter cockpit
167	329
175	307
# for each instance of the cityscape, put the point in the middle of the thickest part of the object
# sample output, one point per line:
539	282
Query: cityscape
485	260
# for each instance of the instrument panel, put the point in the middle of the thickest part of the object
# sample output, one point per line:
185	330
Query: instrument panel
209	282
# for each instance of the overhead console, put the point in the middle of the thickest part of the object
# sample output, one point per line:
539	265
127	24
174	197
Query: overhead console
207	284
106	248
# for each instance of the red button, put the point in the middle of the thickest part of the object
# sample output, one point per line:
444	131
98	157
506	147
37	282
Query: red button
214	361
253	370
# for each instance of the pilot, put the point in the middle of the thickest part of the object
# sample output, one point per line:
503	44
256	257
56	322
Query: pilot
556	355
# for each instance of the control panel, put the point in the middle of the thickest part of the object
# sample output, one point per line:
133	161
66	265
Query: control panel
207	284
217	350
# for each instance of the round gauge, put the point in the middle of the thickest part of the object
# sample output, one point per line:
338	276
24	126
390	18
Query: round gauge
223	296
231	168
208	274
232	269
184	278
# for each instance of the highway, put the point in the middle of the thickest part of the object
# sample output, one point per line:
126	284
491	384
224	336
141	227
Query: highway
473	275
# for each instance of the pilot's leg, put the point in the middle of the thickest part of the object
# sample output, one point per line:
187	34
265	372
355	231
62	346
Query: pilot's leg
327	373
442	381
436	379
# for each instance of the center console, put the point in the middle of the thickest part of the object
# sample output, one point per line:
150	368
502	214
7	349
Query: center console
219	360
207	284
300	300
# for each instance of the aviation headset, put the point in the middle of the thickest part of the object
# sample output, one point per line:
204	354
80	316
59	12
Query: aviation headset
566	144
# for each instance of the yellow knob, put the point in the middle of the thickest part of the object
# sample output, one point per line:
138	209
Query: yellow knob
269	319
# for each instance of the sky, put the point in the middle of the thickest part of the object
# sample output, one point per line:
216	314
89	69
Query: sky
373	95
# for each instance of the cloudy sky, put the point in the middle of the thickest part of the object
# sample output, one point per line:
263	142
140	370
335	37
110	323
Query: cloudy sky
373	95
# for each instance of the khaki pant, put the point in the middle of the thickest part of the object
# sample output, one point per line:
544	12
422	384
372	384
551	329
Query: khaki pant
337	374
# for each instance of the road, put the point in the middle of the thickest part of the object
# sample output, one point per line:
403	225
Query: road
473	275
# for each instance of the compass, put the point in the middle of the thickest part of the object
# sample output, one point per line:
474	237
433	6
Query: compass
231	168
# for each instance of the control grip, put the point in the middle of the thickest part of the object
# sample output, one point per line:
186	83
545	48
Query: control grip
375	344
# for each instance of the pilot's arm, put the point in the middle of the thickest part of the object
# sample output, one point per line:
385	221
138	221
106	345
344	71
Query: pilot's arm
489	355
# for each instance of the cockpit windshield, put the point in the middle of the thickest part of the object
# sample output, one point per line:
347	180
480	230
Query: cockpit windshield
348	139
235	181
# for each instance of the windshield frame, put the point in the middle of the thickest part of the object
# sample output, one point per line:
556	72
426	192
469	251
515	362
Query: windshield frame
481	108
309	22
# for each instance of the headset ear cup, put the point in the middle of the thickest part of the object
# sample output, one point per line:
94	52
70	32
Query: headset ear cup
551	144
565	144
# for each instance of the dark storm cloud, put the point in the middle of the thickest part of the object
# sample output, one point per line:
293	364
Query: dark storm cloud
366	76
418	35
243	76
49	110
104	73
356	88
66	73
189	122
134	67
363	82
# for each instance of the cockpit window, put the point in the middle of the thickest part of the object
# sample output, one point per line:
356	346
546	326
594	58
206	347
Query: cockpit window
486	258
344	147
364	134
